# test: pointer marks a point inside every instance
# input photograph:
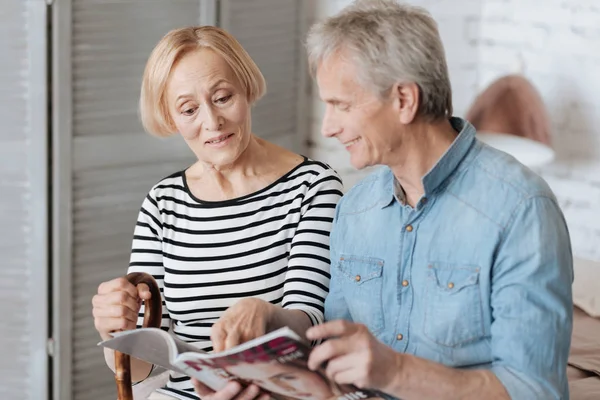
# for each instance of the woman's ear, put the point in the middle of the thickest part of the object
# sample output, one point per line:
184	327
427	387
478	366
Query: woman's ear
407	98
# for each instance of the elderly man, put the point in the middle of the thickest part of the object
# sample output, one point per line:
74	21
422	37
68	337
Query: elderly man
451	266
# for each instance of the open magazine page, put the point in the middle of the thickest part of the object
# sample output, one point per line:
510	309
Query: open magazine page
278	364
150	344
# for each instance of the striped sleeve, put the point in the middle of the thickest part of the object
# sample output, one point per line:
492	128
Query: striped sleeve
146	251
307	278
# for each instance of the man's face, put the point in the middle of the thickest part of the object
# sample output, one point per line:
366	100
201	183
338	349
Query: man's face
365	124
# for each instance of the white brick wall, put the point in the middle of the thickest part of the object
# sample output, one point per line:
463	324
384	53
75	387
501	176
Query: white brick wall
556	44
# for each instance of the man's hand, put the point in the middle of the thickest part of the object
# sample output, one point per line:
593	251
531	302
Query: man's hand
353	355
232	391
246	320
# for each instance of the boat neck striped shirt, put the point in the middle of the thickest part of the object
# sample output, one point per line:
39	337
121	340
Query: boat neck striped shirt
272	244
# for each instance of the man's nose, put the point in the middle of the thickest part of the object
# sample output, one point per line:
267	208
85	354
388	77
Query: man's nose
330	127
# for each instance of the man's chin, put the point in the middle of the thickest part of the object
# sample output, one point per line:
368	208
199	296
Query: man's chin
359	163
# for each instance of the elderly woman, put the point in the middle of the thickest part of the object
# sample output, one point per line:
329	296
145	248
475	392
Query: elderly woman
239	240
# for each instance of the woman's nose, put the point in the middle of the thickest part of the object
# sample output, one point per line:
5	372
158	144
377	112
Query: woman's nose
211	120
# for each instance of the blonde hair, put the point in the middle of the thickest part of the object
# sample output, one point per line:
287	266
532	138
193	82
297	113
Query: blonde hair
390	43
154	111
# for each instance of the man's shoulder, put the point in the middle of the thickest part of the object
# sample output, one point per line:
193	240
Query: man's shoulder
496	184
367	193
507	174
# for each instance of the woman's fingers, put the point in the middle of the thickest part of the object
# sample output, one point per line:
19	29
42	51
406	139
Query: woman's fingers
115	311
106	325
218	335
250	393
232	339
118	285
144	291
115	307
201	389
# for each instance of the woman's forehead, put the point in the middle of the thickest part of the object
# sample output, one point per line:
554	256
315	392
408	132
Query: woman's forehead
202	67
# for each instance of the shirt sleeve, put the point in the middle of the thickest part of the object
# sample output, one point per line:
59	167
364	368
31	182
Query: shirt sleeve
146	251
532	302
335	303
307	278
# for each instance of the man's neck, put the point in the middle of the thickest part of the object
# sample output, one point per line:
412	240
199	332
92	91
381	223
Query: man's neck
422	148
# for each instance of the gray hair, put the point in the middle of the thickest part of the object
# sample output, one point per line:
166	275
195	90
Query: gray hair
391	43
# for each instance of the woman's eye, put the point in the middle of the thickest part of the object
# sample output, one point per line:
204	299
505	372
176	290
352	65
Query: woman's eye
223	100
188	111
288	377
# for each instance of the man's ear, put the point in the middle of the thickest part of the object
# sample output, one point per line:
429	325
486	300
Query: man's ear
407	99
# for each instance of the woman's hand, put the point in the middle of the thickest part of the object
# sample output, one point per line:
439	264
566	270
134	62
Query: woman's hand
116	306
232	391
246	320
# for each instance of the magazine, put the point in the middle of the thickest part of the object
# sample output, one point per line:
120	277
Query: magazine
277	362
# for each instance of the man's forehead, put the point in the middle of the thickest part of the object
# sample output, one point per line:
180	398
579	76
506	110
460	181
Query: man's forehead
335	75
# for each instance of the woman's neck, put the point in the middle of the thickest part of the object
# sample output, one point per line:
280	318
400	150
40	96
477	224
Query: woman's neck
261	164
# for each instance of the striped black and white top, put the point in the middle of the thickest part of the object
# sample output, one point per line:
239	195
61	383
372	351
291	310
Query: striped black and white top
272	244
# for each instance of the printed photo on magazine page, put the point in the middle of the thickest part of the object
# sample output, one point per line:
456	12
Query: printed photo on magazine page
280	367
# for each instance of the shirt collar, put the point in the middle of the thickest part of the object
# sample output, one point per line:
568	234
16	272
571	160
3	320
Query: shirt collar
451	159
445	166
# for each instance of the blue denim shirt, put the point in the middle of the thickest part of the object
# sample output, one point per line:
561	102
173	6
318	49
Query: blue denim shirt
477	275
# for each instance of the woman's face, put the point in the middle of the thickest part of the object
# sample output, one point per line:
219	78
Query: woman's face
209	107
285	379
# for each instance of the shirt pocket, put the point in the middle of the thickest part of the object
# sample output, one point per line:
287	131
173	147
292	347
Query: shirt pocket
453	307
362	286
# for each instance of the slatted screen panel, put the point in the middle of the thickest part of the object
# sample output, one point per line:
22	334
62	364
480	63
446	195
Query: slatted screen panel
271	32
114	162
23	168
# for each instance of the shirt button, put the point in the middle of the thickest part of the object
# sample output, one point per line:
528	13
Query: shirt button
399	336
357	278
450	285
409	228
405	283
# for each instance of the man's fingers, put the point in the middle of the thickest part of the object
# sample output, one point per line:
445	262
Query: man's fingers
340	364
329	350
338	327
348	377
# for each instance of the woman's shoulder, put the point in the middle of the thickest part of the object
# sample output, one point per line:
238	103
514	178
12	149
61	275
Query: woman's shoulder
168	185
312	171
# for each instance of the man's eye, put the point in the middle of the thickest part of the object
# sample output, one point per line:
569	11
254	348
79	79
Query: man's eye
343	107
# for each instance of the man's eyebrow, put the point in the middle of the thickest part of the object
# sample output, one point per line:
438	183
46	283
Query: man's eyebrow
333	100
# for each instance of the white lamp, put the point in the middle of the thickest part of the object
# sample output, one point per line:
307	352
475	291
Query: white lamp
510	116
